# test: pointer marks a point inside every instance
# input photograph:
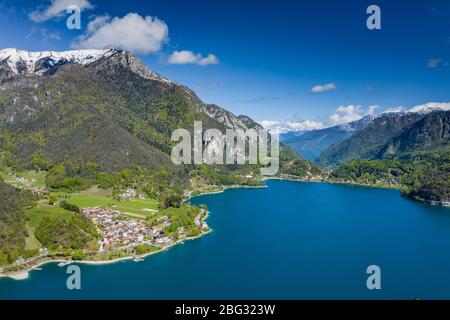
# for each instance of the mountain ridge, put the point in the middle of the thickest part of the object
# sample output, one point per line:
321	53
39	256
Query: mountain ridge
367	142
121	111
310	144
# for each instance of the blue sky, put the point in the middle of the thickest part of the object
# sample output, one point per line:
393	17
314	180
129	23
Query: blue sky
262	58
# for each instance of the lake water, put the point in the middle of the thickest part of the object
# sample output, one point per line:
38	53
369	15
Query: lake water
291	240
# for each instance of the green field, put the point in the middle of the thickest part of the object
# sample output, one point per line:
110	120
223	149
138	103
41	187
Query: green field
138	206
86	201
35	215
31	242
98	192
185	213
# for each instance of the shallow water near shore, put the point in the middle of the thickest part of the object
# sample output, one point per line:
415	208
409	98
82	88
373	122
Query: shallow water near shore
292	240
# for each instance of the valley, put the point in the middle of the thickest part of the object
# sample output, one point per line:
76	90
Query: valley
85	145
409	151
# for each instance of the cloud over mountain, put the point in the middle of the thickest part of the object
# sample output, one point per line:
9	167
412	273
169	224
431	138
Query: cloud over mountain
286	126
345	114
132	32
342	115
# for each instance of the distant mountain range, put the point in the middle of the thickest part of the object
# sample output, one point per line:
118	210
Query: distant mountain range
339	144
367	142
310	144
408	151
430	133
391	135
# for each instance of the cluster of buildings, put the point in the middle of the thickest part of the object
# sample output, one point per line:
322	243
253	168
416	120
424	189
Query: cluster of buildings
119	231
27	184
130	193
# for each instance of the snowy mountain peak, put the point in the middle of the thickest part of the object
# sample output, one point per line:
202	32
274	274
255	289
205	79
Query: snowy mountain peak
15	62
358	124
28	62
431	106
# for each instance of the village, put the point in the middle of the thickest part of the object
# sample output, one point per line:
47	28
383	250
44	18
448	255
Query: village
118	231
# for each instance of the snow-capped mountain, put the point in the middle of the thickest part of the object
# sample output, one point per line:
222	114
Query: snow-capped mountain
27	69
421	108
431	106
358	124
124	111
20	68
38	63
15	62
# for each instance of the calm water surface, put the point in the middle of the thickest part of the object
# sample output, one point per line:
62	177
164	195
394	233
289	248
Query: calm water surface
291	240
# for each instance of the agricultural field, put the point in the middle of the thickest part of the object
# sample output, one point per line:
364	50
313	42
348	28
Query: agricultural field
87	201
144	208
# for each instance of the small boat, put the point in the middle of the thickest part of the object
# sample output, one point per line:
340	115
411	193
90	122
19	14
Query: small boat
37	268
64	263
138	259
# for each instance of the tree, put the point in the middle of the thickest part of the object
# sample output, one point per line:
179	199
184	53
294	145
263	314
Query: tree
52	199
68	206
171	201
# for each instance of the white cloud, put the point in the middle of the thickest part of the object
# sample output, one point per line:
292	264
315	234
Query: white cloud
189	57
97	22
132	32
57	8
345	114
371	109
323	88
434	63
286	126
342	115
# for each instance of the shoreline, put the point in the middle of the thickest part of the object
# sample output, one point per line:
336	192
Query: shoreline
235	186
294	179
24	274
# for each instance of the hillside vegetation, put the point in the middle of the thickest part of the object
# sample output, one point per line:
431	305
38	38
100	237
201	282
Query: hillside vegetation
13	229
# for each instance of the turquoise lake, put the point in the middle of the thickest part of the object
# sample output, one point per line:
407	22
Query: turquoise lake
291	240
